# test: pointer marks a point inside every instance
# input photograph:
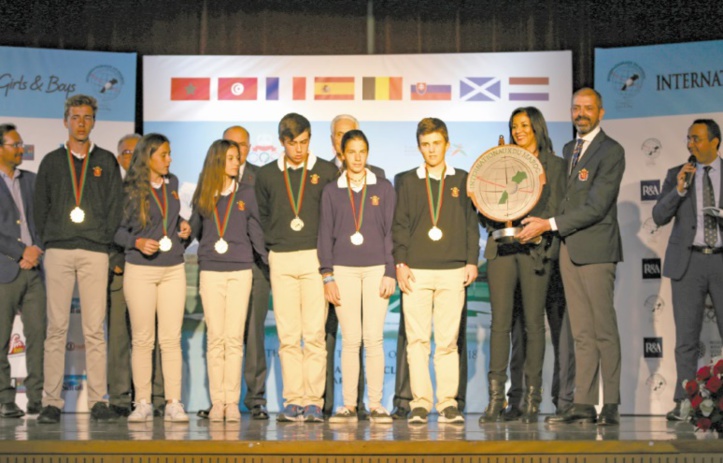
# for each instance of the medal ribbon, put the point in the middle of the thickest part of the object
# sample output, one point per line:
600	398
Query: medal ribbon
295	202
221	226
434	211
357	218
78	191
163	207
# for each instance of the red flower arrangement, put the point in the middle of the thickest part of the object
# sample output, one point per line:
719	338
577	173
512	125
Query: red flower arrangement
705	394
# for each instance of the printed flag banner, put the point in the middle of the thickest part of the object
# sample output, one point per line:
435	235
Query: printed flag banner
190	88
334	88
272	88
237	88
422	91
299	88
382	88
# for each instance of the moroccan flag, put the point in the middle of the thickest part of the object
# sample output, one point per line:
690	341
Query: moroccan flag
382	88
299	88
422	91
272	88
237	88
333	88
190	88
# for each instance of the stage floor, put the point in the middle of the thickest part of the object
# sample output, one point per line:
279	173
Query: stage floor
77	439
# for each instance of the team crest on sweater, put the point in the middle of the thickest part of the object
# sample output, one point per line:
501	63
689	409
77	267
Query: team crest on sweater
583	175
314	179
241	206
375	200
97	171
455	192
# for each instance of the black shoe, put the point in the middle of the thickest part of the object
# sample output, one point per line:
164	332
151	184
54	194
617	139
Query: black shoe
11	410
418	416
101	412
362	414
259	412
49	415
676	414
34	408
400	413
160	410
609	415
512	413
576	414
561	410
120	410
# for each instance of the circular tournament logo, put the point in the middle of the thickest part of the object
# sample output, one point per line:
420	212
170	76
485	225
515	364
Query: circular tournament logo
654	305
626	79
651	149
505	182
106	81
656	384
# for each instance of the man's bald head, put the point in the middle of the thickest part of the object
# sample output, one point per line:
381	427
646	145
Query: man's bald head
241	136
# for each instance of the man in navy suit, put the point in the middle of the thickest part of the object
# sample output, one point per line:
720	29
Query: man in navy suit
591	247
694	257
21	284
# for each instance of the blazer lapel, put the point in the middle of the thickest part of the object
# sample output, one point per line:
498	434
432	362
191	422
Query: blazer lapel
5	191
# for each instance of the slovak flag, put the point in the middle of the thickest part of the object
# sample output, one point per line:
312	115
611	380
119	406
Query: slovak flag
237	88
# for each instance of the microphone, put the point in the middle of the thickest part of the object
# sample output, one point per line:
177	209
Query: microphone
689	175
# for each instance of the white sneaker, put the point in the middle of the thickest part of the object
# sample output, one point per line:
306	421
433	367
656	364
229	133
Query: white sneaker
216	413
233	415
175	413
143	412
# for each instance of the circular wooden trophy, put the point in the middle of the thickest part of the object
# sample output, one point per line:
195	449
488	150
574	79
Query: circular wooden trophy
505	184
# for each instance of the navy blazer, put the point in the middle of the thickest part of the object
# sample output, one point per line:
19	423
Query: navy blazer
11	247
587	217
670	204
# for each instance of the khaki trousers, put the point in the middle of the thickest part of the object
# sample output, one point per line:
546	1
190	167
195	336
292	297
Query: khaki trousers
300	311
437	296
361	316
225	297
62	268
155	292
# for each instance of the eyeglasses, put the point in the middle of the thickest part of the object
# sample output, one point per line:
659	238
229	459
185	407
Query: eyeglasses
15	145
126	153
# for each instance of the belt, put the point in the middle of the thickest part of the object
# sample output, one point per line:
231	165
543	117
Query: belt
706	250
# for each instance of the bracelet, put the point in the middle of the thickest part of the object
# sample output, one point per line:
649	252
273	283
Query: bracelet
328	279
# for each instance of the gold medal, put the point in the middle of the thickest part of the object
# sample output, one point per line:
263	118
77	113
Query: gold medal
77	215
165	244
357	239
435	234
297	224
221	246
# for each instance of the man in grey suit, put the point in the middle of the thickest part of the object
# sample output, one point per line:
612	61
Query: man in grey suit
21	284
694	257
591	248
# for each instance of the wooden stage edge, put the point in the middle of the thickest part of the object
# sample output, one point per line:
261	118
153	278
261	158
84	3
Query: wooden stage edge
209	451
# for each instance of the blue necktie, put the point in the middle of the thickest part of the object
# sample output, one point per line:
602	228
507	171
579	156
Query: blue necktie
576	153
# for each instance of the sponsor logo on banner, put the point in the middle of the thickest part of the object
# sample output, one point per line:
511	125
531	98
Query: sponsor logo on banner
17	346
75	305
73	382
333	88
237	88
423	91
652	348
29	153
651	149
190	88
654	305
299	88
626	79
687	80
650	230
480	89
701	349
264	151
19	384
382	88
529	88
709	313
272	88
106	81
649	190
656	384
715	348
651	269
71	346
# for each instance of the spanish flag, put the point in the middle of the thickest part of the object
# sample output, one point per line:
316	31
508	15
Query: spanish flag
382	88
333	88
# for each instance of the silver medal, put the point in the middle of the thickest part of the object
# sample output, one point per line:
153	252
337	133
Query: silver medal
77	215
221	246
297	224
357	239
435	234
165	244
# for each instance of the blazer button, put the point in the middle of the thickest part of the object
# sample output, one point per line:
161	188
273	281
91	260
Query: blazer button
17	222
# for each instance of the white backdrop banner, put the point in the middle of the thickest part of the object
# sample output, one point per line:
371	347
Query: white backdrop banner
34	84
192	99
652	95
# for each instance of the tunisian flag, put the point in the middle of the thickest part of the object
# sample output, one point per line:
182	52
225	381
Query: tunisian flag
190	88
237	88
